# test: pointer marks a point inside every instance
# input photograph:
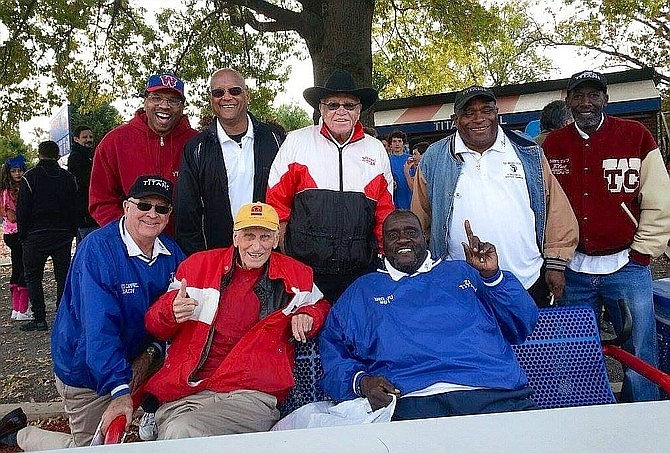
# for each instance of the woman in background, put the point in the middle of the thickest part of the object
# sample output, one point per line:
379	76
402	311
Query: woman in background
10	175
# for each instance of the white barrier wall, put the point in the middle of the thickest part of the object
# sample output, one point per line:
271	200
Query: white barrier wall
633	427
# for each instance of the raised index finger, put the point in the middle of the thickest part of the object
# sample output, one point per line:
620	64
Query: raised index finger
468	231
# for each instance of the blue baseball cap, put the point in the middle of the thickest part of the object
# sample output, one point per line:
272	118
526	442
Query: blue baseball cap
165	82
17	161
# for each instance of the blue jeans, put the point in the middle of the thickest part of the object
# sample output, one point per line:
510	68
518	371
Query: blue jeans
633	284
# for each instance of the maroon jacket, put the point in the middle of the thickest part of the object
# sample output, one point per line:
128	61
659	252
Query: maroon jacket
129	151
617	187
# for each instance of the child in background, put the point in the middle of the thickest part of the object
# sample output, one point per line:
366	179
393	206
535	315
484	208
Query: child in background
10	175
413	162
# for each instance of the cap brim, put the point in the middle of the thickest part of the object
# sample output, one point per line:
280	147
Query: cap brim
258	224
591	81
468	98
159	88
367	96
150	194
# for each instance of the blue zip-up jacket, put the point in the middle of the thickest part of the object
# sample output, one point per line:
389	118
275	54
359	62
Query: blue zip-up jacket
99	328
444	325
556	230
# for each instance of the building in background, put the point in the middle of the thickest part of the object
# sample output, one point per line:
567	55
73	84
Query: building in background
632	94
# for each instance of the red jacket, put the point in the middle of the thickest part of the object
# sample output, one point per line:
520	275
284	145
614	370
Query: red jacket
263	358
129	151
617	187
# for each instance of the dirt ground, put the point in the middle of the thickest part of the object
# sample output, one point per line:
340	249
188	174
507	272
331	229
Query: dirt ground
26	373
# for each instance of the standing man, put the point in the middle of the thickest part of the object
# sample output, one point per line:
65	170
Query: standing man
151	143
46	216
612	172
224	167
331	185
100	348
402	193
80	164
500	180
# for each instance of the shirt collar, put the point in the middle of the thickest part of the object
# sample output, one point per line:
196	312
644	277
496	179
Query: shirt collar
224	137
499	145
583	134
396	275
134	250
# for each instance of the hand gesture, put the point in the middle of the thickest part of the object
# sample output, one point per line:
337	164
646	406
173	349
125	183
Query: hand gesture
301	324
378	390
183	306
480	255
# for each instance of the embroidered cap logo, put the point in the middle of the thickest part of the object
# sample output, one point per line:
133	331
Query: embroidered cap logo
168	81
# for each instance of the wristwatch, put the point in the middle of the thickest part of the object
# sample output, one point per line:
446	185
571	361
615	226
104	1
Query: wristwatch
156	356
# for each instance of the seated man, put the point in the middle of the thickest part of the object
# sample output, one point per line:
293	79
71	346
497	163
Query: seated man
99	345
435	333
231	319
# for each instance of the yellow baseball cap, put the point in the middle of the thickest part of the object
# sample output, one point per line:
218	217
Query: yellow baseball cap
257	215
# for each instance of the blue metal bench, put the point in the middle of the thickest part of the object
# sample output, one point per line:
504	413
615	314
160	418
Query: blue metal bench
562	358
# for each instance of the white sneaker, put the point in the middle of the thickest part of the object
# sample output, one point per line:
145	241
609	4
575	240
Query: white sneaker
27	316
14	313
148	429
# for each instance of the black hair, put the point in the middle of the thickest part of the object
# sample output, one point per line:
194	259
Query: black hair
81	128
421	147
397	134
554	116
48	150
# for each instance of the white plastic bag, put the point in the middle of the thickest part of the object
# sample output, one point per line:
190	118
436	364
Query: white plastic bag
324	413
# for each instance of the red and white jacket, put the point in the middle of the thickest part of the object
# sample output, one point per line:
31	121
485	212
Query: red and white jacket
263	358
334	198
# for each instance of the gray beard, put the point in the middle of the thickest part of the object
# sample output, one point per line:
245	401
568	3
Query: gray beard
587	123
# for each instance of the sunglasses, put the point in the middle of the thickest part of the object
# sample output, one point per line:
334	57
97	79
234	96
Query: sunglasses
336	105
146	207
221	92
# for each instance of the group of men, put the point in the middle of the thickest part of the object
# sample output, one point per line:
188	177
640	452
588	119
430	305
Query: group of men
432	325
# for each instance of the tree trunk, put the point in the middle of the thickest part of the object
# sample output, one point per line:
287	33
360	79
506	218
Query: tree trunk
340	38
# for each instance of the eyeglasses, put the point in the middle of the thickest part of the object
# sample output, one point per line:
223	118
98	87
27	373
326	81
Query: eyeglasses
158	100
336	105
146	207
221	92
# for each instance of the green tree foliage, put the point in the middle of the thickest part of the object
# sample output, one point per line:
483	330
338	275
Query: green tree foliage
631	33
290	117
102	117
495	46
11	144
55	50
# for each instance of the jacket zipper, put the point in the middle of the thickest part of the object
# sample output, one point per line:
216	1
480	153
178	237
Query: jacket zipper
202	223
340	149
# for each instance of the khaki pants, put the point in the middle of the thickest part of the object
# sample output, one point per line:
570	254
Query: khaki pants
84	410
209	413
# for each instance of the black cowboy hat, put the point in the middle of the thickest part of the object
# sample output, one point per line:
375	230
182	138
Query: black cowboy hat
340	82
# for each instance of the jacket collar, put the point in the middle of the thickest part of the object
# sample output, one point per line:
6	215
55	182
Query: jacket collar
357	134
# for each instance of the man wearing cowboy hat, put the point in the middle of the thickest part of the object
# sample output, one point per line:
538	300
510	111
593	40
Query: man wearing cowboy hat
332	187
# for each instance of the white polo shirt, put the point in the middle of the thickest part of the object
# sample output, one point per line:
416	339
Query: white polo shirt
492	194
239	161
